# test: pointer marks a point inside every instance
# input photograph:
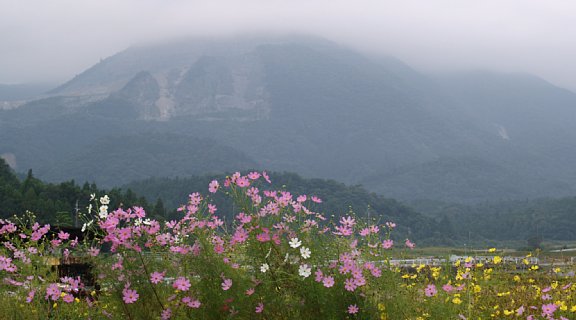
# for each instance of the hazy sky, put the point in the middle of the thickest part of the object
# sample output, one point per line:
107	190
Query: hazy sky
53	40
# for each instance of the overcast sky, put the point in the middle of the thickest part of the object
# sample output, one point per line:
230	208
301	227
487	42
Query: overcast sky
53	40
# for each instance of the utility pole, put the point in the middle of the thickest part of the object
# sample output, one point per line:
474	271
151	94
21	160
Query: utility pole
75	218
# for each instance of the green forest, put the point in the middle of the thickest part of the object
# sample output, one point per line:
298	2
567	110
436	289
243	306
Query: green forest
527	223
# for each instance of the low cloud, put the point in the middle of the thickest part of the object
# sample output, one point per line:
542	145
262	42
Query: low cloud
54	40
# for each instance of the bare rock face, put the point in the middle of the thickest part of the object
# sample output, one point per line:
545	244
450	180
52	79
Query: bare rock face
203	79
219	88
213	88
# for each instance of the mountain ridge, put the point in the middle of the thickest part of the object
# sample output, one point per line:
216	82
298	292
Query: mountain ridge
319	109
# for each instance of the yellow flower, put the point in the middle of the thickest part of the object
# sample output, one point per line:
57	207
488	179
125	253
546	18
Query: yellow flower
561	304
477	288
492	250
517	278
497	259
554	285
508	312
456	300
534	267
573	308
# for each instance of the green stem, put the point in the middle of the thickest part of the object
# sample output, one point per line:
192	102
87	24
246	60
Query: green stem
150	281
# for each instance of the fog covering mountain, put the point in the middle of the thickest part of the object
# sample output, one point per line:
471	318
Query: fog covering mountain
305	105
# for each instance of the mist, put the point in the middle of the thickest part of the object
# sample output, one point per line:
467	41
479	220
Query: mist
51	41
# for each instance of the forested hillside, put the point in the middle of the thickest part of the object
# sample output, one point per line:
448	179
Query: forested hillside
57	203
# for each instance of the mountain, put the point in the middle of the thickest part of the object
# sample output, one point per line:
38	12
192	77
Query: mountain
518	220
14	95
300	104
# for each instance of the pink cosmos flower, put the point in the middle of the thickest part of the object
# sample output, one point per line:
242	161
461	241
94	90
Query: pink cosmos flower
316	199
226	284
520	311
68	298
348	221
263	237
328	281
548	309
213	186
194	304
250	292
129	295
63	235
352	309
191	303
387	244
430	290
53	291
242	182
166	314
93	251
343	231
243	217
181	284
30	296
156	277
239	236
409	244
253	175
319	275
266	177
350	284
260	308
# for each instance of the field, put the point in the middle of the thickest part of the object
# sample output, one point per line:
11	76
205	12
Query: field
278	259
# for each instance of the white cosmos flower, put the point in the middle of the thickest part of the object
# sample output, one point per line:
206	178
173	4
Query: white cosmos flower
305	252
295	243
104	200
304	271
265	267
103	213
84	226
